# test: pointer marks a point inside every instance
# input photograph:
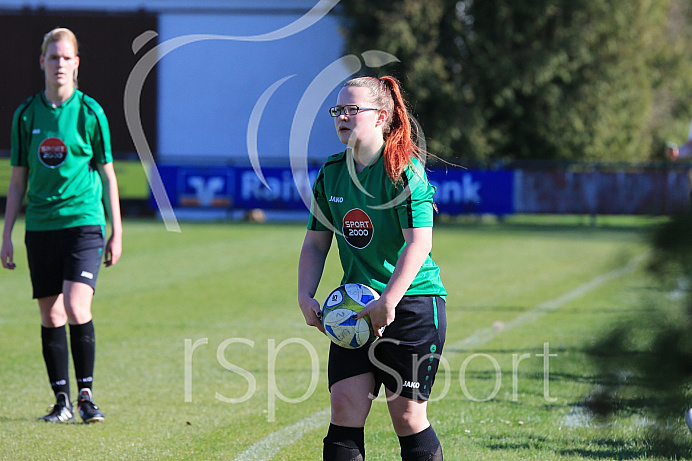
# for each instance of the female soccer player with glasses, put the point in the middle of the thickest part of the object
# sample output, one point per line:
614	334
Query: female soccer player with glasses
376	199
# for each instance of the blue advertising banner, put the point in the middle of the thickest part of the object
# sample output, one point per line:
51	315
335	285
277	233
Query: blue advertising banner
473	191
198	187
282	193
226	187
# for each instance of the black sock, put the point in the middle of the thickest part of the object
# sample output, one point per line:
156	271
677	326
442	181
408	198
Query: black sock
344	444
56	356
83	344
423	446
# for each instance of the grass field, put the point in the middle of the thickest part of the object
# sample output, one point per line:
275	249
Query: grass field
202	352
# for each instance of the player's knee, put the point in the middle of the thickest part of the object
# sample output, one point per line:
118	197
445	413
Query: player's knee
409	419
78	314
53	314
341	405
54	319
409	424
347	411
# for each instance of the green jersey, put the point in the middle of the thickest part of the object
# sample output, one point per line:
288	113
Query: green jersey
61	146
367	213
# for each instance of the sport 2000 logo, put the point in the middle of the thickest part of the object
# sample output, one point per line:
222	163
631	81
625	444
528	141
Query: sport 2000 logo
196	348
305	114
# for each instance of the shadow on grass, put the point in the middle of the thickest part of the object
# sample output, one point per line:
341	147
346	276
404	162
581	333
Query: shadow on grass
35	420
654	444
18	419
515	443
608	449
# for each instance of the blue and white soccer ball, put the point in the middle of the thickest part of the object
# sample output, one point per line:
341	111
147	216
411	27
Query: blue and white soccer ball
339	310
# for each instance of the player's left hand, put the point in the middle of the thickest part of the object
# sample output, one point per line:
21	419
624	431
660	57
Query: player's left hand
380	315
114	249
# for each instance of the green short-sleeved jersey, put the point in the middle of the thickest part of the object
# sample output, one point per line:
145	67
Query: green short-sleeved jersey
368	219
61	147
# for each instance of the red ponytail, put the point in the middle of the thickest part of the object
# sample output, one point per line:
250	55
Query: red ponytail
400	148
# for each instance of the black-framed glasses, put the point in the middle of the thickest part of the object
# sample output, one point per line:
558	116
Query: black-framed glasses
349	109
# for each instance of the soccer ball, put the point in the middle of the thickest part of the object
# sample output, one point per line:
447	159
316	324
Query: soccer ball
338	314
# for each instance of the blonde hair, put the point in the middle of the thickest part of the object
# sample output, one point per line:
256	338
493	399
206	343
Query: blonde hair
59	34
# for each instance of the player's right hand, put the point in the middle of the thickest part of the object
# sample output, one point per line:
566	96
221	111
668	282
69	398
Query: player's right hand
7	255
312	311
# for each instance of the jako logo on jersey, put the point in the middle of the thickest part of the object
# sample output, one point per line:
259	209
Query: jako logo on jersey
336	199
52	152
357	228
412	385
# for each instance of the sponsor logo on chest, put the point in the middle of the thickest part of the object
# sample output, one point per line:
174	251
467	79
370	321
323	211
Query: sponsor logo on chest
52	152
357	228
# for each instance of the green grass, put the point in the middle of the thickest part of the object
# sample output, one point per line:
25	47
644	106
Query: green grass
231	289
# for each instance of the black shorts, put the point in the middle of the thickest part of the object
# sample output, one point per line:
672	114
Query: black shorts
72	254
406	358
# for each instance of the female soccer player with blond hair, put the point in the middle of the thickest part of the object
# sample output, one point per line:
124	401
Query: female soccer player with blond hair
61	160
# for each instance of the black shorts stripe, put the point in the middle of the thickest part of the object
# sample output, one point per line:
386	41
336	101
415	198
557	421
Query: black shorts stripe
100	128
409	204
312	223
23	143
318	184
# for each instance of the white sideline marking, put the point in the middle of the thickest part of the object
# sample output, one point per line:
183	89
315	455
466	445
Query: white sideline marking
578	416
486	334
266	448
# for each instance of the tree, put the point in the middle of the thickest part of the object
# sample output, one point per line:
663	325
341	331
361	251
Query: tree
546	79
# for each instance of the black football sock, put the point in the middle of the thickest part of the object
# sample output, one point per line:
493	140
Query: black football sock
344	444
56	356
83	344
423	446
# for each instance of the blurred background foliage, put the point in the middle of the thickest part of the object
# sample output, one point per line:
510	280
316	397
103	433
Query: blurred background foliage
605	80
645	362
